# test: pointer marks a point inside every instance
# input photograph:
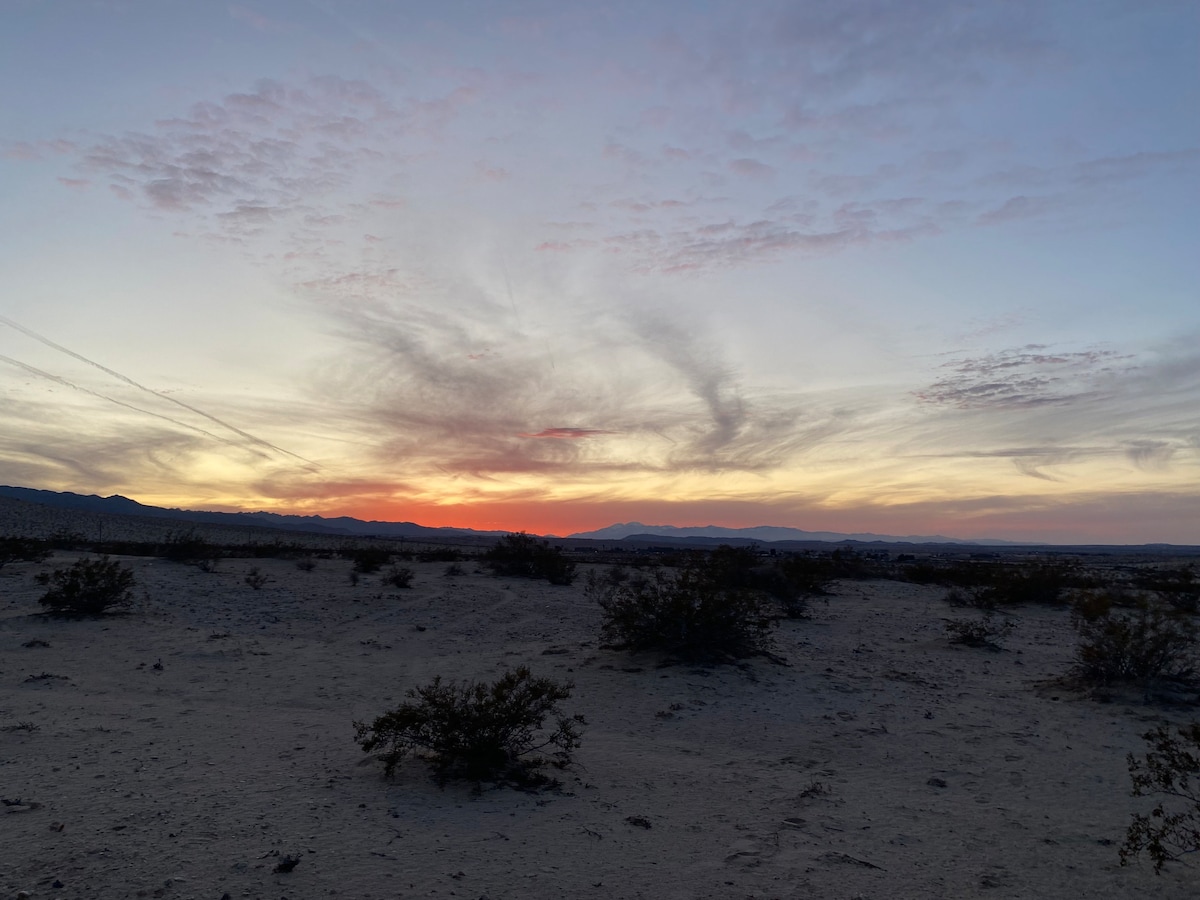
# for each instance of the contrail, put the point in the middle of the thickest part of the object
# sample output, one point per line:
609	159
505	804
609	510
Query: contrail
141	387
59	380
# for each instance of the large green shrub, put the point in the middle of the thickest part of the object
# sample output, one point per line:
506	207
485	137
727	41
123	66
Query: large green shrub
478	731
89	587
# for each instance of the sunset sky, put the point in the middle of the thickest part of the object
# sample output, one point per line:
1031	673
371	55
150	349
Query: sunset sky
848	265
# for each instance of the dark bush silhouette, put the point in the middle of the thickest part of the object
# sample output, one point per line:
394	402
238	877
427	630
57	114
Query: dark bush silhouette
441	554
368	560
523	556
256	579
991	586
696	613
1138	645
977	632
89	587
1179	587
478	731
22	550
189	547
1171	770
399	577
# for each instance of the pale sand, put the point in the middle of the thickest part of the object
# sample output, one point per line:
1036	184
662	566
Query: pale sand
812	780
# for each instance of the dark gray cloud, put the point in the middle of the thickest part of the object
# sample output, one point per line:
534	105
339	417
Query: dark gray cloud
1024	377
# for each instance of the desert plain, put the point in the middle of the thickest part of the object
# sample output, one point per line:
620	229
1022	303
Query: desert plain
188	746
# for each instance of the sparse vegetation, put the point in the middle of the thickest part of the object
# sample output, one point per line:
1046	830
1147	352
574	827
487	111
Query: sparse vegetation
89	587
1170	770
15	549
524	556
1177	586
399	577
982	632
441	554
369	560
478	731
306	564
700	612
256	579
190	548
1149	642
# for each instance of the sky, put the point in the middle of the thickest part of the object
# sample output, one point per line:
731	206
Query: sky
845	265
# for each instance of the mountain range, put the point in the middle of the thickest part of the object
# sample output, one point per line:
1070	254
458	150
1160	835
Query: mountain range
345	525
766	533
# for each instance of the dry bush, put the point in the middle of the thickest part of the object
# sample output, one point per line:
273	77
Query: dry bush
399	577
692	614
478	731
14	549
368	560
256	579
977	632
1170	770
89	587
1147	642
189	547
524	556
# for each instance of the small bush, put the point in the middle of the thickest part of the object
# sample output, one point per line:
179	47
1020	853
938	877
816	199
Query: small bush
454	570
524	556
90	587
1170	769
306	564
23	550
977	632
441	554
189	547
478	731
690	614
256	579
1149	642
399	577
368	560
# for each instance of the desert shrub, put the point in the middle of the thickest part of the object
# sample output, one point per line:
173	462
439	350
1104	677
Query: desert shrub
845	562
454	570
524	556
399	577
440	554
793	580
306	564
1043	583
689	613
977	632
189	547
256	579
1178	587
89	587
1148	642
1171	770
368	560
478	731
15	549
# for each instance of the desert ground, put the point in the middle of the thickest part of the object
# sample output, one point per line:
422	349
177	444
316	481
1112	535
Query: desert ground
183	749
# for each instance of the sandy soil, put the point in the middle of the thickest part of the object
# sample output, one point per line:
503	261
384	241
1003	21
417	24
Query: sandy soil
182	750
